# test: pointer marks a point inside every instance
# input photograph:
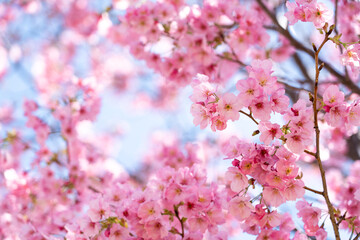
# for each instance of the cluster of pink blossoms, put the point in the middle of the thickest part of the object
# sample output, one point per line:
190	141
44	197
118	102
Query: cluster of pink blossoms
351	58
175	204
275	170
348	18
259	93
209	108
262	95
166	151
310	216
348	194
338	111
308	11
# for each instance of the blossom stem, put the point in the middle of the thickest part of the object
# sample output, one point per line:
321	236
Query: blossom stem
250	116
317	133
314	191
310	153
176	210
357	236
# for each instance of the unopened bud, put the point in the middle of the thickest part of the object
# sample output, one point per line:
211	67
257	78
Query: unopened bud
251	181
299	176
332	27
311	97
325	27
321	66
235	163
314	47
255	133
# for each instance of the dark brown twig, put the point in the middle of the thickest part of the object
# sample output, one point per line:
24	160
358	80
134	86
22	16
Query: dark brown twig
317	133
314	191
250	116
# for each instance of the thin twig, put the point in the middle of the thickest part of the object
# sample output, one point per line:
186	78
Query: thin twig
231	60
341	218
310	153
288	86
314	191
250	116
302	68
176	210
317	133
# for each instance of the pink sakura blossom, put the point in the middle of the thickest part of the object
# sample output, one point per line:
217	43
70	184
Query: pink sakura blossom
351	57
306	11
203	90
218	123
190	206
118	232
229	106
269	131
198	223
294	13
321	234
320	15
270	220
279	101
240	207
149	210
294	190
332	96
275	180
231	148
175	193
29	107
337	115
287	223
201	116
296	142
287	169
273	196
249	90
157	228
357	194
354	113
90	228
261	108
261	71
310	216
98	210
238	181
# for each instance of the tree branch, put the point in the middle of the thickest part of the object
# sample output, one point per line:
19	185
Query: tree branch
250	116
314	191
317	133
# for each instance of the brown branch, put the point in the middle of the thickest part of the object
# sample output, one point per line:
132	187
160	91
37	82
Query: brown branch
336	17
317	133
176	210
357	236
310	153
231	60
314	191
288	86
302	68
250	116
341	218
